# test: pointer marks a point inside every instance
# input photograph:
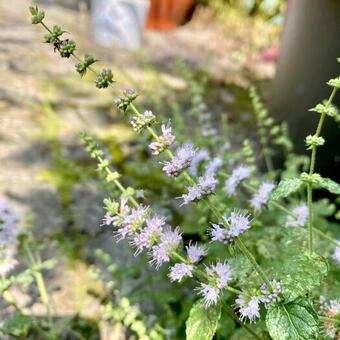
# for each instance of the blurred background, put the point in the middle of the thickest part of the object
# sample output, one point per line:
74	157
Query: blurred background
184	57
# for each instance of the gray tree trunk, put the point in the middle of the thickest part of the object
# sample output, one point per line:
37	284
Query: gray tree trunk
309	48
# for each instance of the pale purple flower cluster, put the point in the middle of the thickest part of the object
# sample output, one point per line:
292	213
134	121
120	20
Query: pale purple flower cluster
163	141
331	310
239	174
181	161
262	196
140	122
9	230
248	308
200	156
206	186
161	252
195	252
149	234
180	270
237	223
301	218
271	294
219	275
213	166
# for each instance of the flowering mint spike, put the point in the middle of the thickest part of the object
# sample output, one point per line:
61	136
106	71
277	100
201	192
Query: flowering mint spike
53	37
140	122
221	273
238	175
126	99
181	161
104	79
169	241
272	294
301	219
209	293
37	15
83	66
248	308
262	196
195	252
163	142
179	271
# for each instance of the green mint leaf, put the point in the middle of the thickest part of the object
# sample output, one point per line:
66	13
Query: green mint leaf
286	187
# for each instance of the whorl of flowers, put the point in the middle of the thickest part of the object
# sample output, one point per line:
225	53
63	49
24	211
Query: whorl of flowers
104	78
163	142
301	218
126	99
161	252
181	161
180	270
206	186
262	195
232	226
331	310
195	252
248	308
219	275
239	174
9	229
127	220
140	122
271	294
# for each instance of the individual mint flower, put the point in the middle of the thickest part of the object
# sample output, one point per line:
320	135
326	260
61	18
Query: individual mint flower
149	234
233	226
83	66
126	99
181	161
180	270
195	252
239	174
271	294
53	36
301	218
336	255
163	141
209	293
169	241
206	186
199	157
104	78
221	273
248	308
213	166
65	47
262	195
140	122
116	213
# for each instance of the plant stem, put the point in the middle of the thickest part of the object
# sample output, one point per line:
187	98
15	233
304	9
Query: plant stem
311	172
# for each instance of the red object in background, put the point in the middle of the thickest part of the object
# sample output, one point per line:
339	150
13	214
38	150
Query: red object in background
165	15
271	55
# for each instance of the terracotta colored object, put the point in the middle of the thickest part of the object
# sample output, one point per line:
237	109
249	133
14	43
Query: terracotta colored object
166	15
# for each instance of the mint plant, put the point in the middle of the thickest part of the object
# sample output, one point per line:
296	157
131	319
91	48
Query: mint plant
234	266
